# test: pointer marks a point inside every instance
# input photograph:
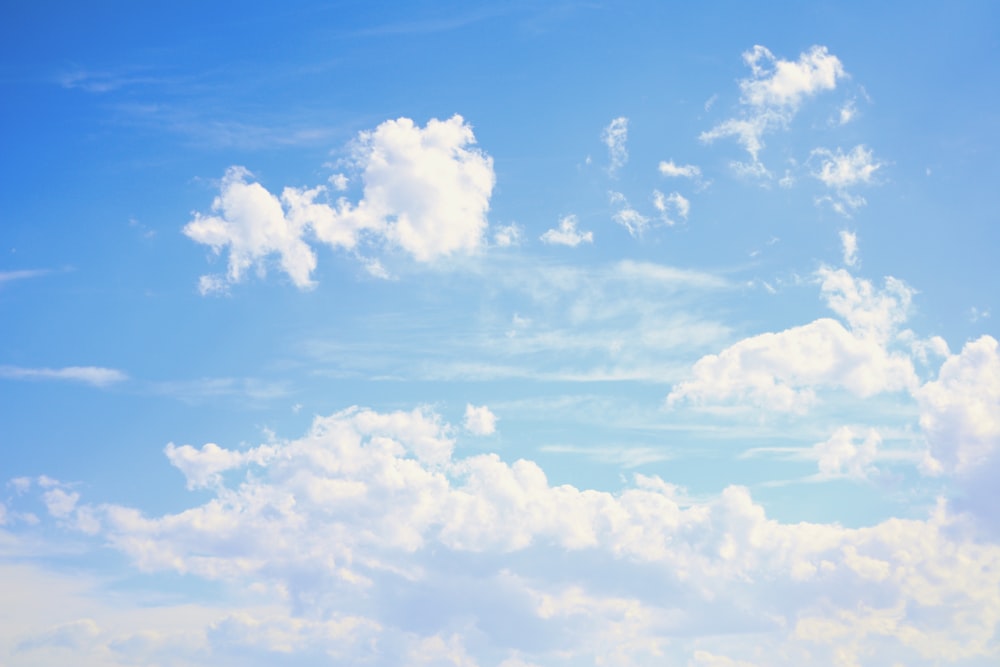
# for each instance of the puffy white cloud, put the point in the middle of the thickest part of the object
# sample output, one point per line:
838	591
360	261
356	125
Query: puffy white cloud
250	221
426	191
429	189
960	410
843	170
871	312
783	83
772	95
615	136
567	234
782	370
480	420
376	543
92	375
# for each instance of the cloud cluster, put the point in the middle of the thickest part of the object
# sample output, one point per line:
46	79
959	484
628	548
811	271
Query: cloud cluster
426	191
770	98
371	540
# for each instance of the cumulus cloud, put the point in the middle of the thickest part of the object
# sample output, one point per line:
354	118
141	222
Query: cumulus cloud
480	420
567	234
426	191
615	136
96	376
251	223
772	95
960	410
781	371
369	526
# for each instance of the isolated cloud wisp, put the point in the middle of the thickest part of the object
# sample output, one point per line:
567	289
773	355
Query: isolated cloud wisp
615	137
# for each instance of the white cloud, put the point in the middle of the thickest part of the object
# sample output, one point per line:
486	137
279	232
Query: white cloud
92	375
674	202
674	170
781	371
480	420
615	136
784	84
960	410
848	112
567	234
772	95
339	182
841	170
839	456
626	216
426	192
428	189
250	221
368	538
849	243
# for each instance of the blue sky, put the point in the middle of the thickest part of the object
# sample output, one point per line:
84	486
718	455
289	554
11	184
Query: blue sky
499	334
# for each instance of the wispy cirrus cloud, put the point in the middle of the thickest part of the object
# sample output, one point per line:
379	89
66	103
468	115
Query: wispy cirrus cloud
615	137
96	376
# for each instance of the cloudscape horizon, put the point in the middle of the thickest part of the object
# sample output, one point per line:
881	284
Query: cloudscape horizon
500	335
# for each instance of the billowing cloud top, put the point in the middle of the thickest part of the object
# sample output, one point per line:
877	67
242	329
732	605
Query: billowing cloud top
426	191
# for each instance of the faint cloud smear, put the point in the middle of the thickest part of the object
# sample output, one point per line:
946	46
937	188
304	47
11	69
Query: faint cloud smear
615	136
508	235
771	97
92	375
480	420
567	234
849	242
24	274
